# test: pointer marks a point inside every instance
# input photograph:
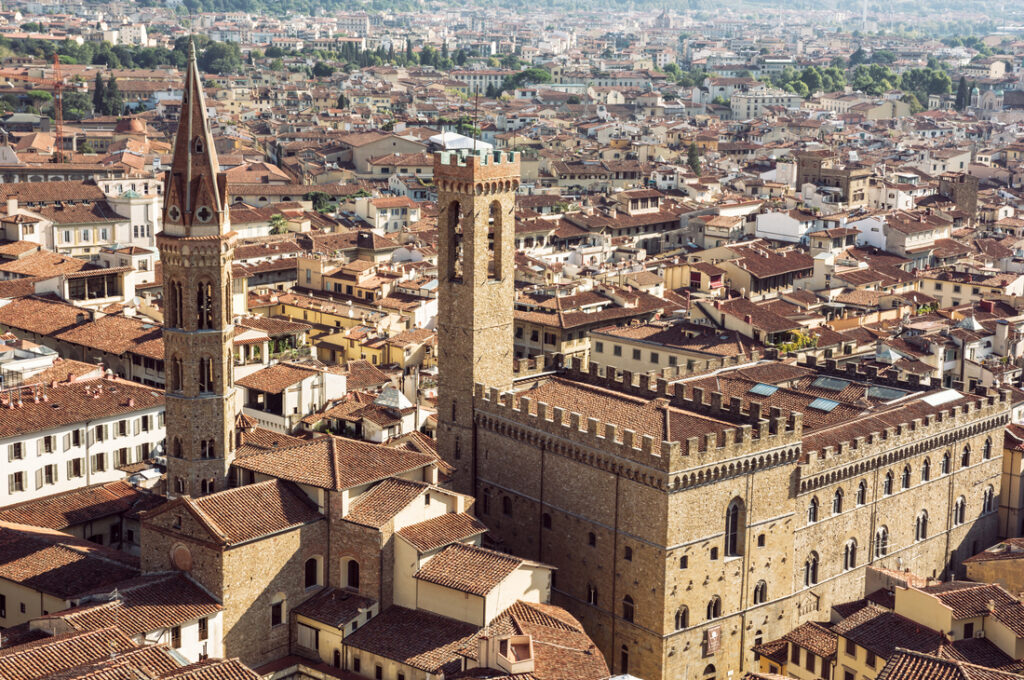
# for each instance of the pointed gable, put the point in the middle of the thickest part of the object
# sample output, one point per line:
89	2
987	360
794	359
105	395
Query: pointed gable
195	190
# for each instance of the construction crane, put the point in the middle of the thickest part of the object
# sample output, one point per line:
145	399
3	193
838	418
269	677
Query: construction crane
57	84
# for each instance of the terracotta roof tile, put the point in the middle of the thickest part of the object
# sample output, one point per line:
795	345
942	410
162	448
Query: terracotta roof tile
275	379
442	530
334	606
380	504
331	462
78	506
468	569
46	658
416	638
58	564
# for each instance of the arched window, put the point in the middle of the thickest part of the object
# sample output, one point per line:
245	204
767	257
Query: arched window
174	305
926	470
175	377
205	374
628	608
506	505
204	305
592	539
850	555
710	673
352	574
811	570
986	453
454	237
627	554
734	521
987	500
494	246
959	511
887	484
945	463
965	457
862	492
812	511
591	594
227	302
682	618
312	572
760	592
921	526
487	501
714	607
684	561
204	487
624	660
905	480
206	448
882	542
176	448
337	658
546	520
837	502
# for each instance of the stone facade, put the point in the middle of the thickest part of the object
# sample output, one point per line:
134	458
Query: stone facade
648	558
247	578
476	195
658	517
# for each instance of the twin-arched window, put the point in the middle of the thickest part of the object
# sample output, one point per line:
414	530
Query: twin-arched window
837	502
812	511
682	618
811	569
850	555
714	607
760	592
921	526
882	542
628	608
988	500
959	511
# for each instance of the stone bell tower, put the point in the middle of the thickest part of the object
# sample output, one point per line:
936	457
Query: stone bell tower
476	231
196	249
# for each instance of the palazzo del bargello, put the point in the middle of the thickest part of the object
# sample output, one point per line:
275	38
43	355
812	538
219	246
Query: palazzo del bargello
689	514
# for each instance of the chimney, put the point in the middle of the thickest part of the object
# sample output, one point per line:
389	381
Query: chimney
12	206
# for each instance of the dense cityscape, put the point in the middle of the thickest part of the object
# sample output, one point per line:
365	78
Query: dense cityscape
410	340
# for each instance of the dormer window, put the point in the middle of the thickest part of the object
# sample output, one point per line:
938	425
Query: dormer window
197	145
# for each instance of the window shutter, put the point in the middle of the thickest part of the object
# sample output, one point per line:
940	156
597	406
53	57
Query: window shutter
106	431
90	437
39	478
10	483
67	441
92	463
40	446
138	453
70	470
10	452
137	425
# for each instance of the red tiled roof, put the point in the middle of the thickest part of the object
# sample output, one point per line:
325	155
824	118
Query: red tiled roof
442	530
468	569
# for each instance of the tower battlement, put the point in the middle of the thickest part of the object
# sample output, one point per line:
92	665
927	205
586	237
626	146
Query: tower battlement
469	165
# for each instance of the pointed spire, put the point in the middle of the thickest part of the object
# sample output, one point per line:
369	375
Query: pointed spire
195	195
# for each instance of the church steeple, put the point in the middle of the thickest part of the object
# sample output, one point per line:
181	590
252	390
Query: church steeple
195	191
196	252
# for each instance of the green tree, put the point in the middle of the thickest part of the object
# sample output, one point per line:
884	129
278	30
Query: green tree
274	52
693	159
321	201
858	57
98	93
277	65
221	58
278	224
963	95
322	70
342	101
113	102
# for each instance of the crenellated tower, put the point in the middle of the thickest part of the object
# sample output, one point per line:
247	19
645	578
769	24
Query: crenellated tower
476	257
196	251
